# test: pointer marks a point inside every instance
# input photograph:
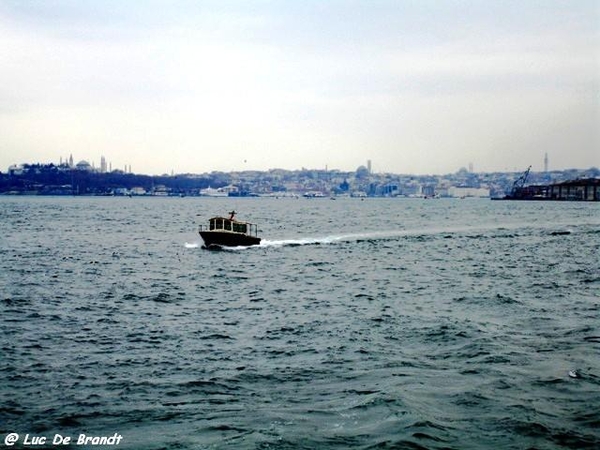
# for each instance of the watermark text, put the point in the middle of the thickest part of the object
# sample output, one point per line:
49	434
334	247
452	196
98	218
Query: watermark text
32	440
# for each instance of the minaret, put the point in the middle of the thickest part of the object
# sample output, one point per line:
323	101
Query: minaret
71	160
546	162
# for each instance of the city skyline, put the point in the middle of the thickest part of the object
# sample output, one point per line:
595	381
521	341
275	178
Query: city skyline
195	87
106	166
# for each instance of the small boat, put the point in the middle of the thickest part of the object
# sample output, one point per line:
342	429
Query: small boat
229	232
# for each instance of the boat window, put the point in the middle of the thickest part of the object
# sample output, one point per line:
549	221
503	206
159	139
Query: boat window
219	224
227	225
239	227
212	224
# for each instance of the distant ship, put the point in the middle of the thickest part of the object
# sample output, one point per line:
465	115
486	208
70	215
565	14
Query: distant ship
313	194
212	192
228	232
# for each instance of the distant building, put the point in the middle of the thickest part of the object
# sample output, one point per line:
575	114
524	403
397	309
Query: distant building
15	170
462	192
137	191
412	189
362	172
83	166
429	190
389	190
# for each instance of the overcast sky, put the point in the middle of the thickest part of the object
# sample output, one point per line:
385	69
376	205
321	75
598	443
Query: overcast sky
195	86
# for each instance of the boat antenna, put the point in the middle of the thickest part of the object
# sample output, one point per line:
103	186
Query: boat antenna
231	215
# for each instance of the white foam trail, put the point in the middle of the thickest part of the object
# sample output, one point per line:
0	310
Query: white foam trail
308	240
192	245
388	234
284	242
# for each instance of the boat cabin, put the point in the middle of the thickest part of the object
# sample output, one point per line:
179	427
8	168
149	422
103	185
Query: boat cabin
224	224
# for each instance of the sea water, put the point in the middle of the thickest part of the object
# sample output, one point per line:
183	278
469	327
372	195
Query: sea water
375	323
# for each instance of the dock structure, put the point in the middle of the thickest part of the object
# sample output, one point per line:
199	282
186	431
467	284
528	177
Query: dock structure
584	189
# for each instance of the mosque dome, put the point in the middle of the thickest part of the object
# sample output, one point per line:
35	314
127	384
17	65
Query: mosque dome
83	165
362	172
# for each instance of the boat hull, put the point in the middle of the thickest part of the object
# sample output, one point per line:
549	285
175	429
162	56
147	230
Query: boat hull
228	239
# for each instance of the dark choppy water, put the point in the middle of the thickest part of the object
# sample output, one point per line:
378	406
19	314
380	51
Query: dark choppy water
438	324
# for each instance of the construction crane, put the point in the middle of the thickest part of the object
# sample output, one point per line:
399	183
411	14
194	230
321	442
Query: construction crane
519	183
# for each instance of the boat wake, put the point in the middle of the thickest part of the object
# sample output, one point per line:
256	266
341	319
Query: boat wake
491	230
325	240
388	235
495	230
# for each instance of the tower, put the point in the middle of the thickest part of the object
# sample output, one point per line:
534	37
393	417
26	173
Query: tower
369	166
546	162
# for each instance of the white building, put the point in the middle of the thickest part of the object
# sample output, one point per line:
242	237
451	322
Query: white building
460	192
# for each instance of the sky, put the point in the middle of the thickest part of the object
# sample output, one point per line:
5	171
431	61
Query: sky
193	86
